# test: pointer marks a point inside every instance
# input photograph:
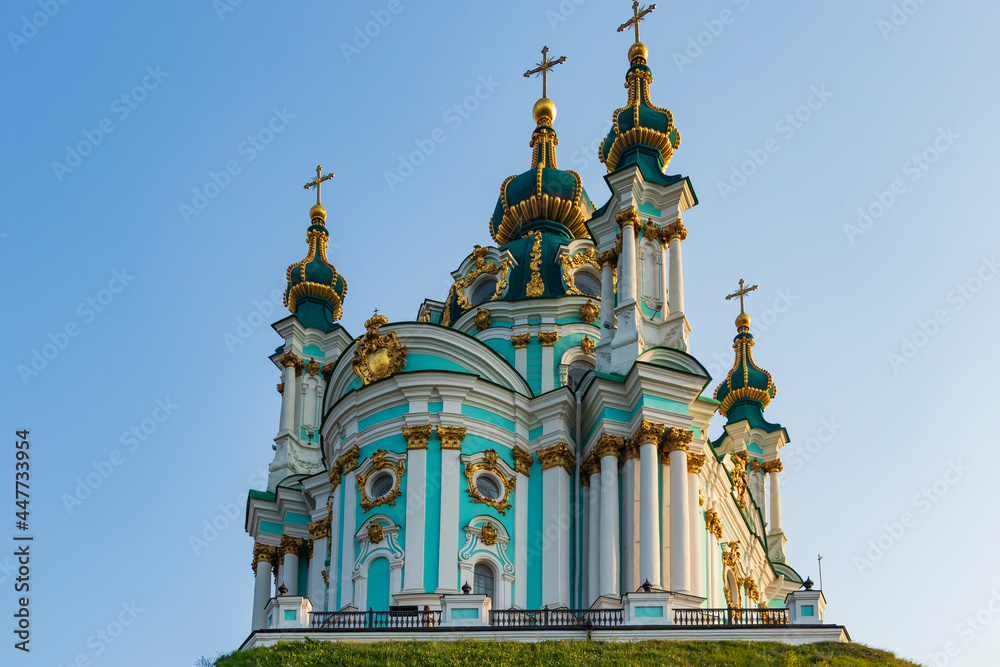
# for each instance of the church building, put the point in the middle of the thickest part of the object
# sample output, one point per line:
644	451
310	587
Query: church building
533	451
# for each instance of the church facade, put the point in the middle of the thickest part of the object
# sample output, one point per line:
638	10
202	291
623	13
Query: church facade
539	439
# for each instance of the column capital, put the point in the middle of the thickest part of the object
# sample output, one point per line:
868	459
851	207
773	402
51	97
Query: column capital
289	545
417	436
281	388
265	553
675	439
559	455
695	462
608	258
648	433
349	459
307	549
289	359
548	338
520	341
608	445
628	217
313	367
451	436
326	371
335	477
675	230
713	523
774	466
319	529
522	461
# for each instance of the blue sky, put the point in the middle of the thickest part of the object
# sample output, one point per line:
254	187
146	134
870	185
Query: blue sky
877	328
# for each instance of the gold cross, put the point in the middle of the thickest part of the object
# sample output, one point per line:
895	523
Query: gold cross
637	16
543	69
315	183
741	292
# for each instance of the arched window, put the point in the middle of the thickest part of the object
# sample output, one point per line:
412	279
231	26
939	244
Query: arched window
587	283
482	580
577	370
484	292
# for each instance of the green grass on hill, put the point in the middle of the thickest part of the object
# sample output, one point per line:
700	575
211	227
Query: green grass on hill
568	654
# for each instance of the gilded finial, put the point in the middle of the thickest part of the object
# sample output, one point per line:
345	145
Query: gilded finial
544	108
638	49
318	211
743	321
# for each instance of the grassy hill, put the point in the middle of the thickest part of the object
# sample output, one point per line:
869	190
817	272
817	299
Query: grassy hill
569	654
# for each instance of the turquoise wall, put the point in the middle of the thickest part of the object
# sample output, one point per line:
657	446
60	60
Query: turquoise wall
468	509
535	366
397	512
502	347
378	585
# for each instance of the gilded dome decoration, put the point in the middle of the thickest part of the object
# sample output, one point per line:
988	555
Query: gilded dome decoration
314	281
640	123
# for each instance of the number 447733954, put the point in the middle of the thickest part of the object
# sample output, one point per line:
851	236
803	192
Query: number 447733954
22	479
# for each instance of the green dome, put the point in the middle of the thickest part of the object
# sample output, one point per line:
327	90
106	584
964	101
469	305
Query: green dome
315	290
746	381
640	122
542	198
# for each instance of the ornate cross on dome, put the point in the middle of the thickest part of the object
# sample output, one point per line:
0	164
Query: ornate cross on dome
316	182
543	69
741	292
638	15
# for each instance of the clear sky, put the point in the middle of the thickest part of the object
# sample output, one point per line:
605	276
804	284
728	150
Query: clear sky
876	328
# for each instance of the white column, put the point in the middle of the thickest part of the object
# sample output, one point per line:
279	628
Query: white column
773	469
649	517
333	573
676	234
664	277
594	563
626	265
584	539
664	473
416	480
347	539
521	541
521	353
309	403
317	589
548	365
630	527
290	572
680	519
448	544
607	299
287	397
610	563
261	591
695	526
557	462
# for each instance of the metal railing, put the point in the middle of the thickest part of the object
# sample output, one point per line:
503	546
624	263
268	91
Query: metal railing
556	618
373	620
747	618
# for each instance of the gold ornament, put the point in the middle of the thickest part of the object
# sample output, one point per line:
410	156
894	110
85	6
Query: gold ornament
772	467
417	436
590	311
349	459
557	455
628	217
638	15
375	532
289	545
587	345
536	287
265	553
378	356
648	433
674	230
488	534
326	372
695	462
608	445
731	555
520	341
522	461
451	436
326	578
713	523
319	529
739	474
379	462
570	264
489	463
312	367
675	439
482	319
290	359
548	338
281	388
482	266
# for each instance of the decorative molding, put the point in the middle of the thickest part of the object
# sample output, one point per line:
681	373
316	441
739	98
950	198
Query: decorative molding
319	529
739	474
675	230
675	439
327	371
417	436
488	534
571	263
628	217
489	462
522	461
484	537
587	345
648	433
375	534
281	388
349	459
379	462
387	546
520	341
590	311
313	367
608	445
548	338
263	552
451	436
500	270
557	455
377	356
630	449
289	545
536	287
482	319
713	523
291	359
773	466
608	258
695	462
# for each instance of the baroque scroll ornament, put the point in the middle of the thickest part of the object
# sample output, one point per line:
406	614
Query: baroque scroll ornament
378	356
